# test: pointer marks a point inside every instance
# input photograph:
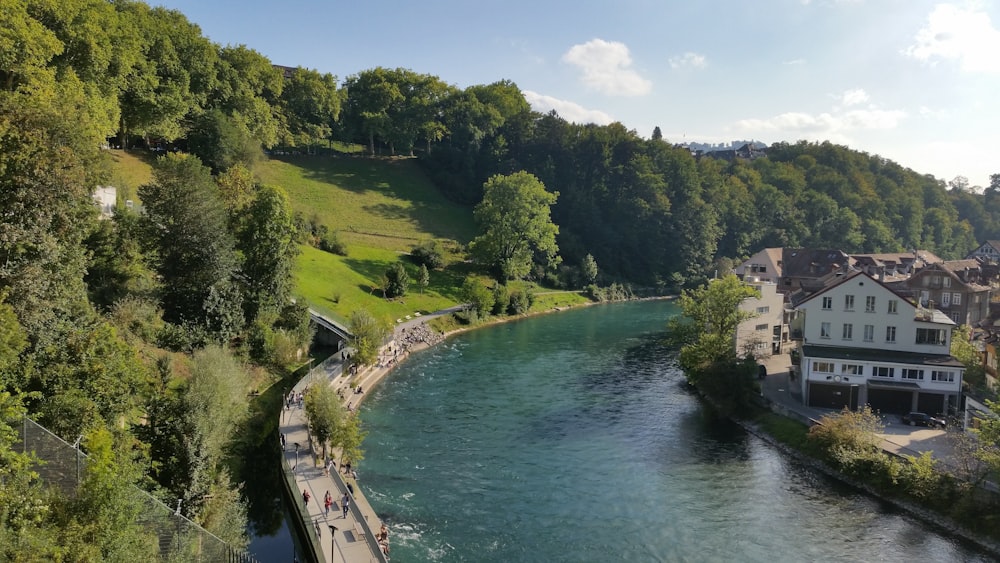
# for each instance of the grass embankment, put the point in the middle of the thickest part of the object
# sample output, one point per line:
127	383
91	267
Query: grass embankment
381	208
129	170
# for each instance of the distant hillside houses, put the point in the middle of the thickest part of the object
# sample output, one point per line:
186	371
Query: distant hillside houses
747	150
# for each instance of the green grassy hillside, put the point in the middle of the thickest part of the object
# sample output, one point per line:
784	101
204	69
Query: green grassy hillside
380	203
381	208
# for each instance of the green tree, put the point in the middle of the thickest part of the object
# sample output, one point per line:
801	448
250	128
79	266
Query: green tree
478	296
267	241
423	277
186	223
368	334
588	269
516	225
706	333
324	412
397	281
349	437
311	104
964	351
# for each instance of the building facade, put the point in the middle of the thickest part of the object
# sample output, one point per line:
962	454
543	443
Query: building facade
866	344
764	333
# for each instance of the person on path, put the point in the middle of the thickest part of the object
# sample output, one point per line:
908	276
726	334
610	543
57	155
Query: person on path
345	503
328	502
305	496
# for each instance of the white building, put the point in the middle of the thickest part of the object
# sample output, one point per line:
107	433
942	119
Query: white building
762	334
864	343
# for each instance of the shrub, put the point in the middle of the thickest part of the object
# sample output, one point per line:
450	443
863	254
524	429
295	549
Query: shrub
397	281
331	243
429	254
520	302
501	299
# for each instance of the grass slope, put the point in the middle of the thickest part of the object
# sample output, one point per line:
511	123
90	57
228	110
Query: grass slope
381	208
379	203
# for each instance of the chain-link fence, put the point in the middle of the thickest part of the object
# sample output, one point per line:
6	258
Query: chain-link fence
173	537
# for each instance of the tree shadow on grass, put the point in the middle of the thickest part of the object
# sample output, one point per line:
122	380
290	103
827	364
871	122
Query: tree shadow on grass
401	179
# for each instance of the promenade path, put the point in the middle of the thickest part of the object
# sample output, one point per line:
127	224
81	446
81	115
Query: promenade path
353	540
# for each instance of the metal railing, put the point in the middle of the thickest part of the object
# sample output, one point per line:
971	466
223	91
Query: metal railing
173	537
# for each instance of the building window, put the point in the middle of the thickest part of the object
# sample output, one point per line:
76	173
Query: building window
913	374
893	306
925	297
931	336
890	334
848	331
955	316
947	281
946	299
824	330
945	376
823	367
956	299
764	309
848	302
852	369
869	333
761	327
870	304
882	371
828	303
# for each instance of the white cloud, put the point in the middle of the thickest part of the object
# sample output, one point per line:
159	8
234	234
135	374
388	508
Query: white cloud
954	33
688	59
833	125
794	62
570	111
854	97
606	67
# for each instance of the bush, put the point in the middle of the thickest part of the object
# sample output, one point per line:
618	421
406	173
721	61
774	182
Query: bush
331	243
501	299
429	254
478	296
520	302
397	281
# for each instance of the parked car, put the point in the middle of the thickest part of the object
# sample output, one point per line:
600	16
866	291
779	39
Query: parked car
923	419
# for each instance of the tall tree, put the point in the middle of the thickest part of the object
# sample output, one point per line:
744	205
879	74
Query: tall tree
186	222
368	334
516	225
324	412
267	241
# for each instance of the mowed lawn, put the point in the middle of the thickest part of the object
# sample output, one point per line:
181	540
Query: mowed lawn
380	208
375	202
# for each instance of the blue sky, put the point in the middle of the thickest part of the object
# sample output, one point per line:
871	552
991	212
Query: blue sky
914	81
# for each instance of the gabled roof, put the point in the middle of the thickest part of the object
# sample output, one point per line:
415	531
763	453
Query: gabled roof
933	315
813	263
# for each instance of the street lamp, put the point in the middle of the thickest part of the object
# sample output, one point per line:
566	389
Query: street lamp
333	541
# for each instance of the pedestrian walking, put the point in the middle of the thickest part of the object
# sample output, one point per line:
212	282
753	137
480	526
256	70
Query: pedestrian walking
328	502
282	441
305	497
345	503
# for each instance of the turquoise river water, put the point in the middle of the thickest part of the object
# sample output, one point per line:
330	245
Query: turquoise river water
570	437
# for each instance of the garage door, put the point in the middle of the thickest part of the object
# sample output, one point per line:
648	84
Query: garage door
826	396
890	401
930	403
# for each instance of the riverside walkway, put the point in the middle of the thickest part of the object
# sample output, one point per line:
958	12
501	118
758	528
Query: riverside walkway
335	537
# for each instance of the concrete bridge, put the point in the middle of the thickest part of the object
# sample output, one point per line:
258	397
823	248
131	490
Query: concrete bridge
331	332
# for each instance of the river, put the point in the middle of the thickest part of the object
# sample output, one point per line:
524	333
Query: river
571	437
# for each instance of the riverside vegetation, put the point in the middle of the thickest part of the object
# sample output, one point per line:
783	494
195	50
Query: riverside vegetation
163	337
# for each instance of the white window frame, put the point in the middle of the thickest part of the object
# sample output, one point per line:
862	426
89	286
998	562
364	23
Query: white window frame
890	334
869	335
824	330
956	299
884	371
848	302
847	333
827	303
870	304
893	306
912	373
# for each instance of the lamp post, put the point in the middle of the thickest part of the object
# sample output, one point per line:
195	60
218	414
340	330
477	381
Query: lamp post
854	405
333	541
